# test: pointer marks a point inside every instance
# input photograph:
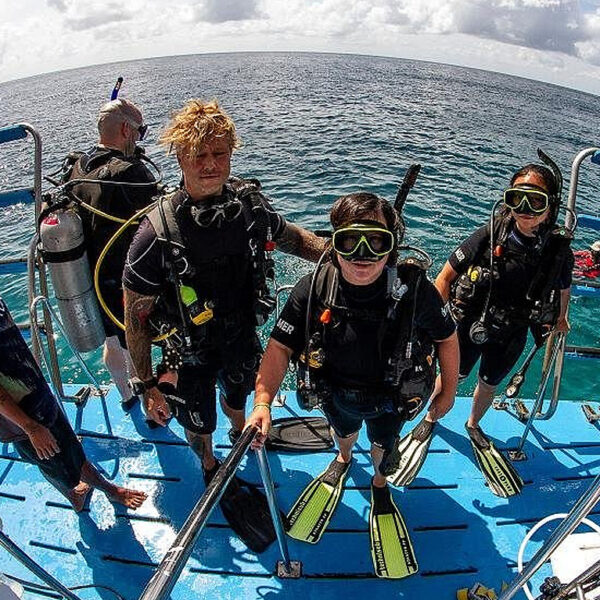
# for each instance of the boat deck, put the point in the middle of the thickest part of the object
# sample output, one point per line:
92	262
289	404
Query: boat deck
461	532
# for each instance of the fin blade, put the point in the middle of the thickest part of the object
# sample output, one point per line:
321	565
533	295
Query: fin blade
246	509
312	511
391	548
412	453
501	477
300	434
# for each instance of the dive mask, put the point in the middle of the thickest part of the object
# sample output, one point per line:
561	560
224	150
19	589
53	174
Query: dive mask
526	200
367	241
215	214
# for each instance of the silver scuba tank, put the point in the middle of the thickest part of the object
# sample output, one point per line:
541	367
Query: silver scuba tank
61	235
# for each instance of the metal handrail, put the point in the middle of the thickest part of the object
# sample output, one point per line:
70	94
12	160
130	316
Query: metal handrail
569	223
169	570
580	510
35	335
36	569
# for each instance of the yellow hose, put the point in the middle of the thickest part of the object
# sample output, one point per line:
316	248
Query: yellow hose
113	239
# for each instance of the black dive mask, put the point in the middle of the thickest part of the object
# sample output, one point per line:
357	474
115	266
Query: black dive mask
363	241
215	214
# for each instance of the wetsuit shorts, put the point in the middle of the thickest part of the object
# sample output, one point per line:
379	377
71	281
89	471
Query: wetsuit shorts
233	370
112	292
63	470
497	358
346	411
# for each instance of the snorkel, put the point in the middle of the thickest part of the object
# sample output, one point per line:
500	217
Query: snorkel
115	93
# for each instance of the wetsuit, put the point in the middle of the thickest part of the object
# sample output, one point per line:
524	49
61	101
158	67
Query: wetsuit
354	365
119	201
225	350
515	271
22	379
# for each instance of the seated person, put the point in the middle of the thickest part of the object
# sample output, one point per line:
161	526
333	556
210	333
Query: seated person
32	419
366	319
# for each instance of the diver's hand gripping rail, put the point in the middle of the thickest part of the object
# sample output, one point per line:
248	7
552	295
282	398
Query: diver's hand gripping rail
580	510
168	571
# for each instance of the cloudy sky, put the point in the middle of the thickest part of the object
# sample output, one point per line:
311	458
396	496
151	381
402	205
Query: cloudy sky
551	40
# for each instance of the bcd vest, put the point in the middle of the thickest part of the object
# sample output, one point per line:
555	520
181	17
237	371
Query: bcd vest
226	288
409	373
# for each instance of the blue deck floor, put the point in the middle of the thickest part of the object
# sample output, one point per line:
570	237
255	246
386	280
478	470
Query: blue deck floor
461	532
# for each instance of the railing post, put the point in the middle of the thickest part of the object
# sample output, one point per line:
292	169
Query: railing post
169	570
580	509
285	568
36	569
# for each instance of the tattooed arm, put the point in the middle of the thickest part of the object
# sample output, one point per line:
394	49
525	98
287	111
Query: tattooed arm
301	242
139	343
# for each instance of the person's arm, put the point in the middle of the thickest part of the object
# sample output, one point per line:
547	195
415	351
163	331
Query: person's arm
444	280
139	342
272	370
40	437
449	360
562	324
301	242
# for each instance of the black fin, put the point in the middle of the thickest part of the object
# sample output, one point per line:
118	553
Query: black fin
246	509
300	434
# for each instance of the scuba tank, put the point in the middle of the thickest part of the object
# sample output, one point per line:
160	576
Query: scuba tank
63	249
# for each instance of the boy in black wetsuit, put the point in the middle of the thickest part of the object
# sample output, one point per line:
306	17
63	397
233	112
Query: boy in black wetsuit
355	327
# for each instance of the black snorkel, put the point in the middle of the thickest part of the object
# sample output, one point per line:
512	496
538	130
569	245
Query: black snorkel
115	93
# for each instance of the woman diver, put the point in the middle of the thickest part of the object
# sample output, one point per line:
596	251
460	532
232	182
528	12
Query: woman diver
512	274
362	329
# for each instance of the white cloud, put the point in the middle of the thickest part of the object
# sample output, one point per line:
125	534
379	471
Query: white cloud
545	39
221	11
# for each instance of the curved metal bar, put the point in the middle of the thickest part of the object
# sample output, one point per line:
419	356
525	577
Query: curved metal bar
541	392
169	570
570	222
580	510
28	562
35	332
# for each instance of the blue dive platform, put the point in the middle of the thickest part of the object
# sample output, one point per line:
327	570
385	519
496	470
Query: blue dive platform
461	532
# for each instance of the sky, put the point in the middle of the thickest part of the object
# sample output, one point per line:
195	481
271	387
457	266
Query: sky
557	41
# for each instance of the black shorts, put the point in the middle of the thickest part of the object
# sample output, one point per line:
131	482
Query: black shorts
497	358
347	410
233	368
63	470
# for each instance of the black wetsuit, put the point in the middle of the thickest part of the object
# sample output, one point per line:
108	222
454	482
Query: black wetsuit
354	366
121	201
226	349
516	269
22	379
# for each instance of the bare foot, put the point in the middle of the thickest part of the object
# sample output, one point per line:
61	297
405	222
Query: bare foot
127	497
78	495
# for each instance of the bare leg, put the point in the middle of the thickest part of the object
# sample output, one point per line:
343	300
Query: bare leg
345	446
379	480
78	495
482	400
127	497
117	361
201	444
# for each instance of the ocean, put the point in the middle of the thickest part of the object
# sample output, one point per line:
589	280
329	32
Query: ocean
316	126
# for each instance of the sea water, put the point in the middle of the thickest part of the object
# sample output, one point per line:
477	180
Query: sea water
315	126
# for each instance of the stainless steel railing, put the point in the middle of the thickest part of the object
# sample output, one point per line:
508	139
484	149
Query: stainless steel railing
169	570
580	510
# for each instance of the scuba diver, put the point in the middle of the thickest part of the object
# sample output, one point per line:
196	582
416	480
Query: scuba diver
510	275
32	419
201	263
365	331
115	158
